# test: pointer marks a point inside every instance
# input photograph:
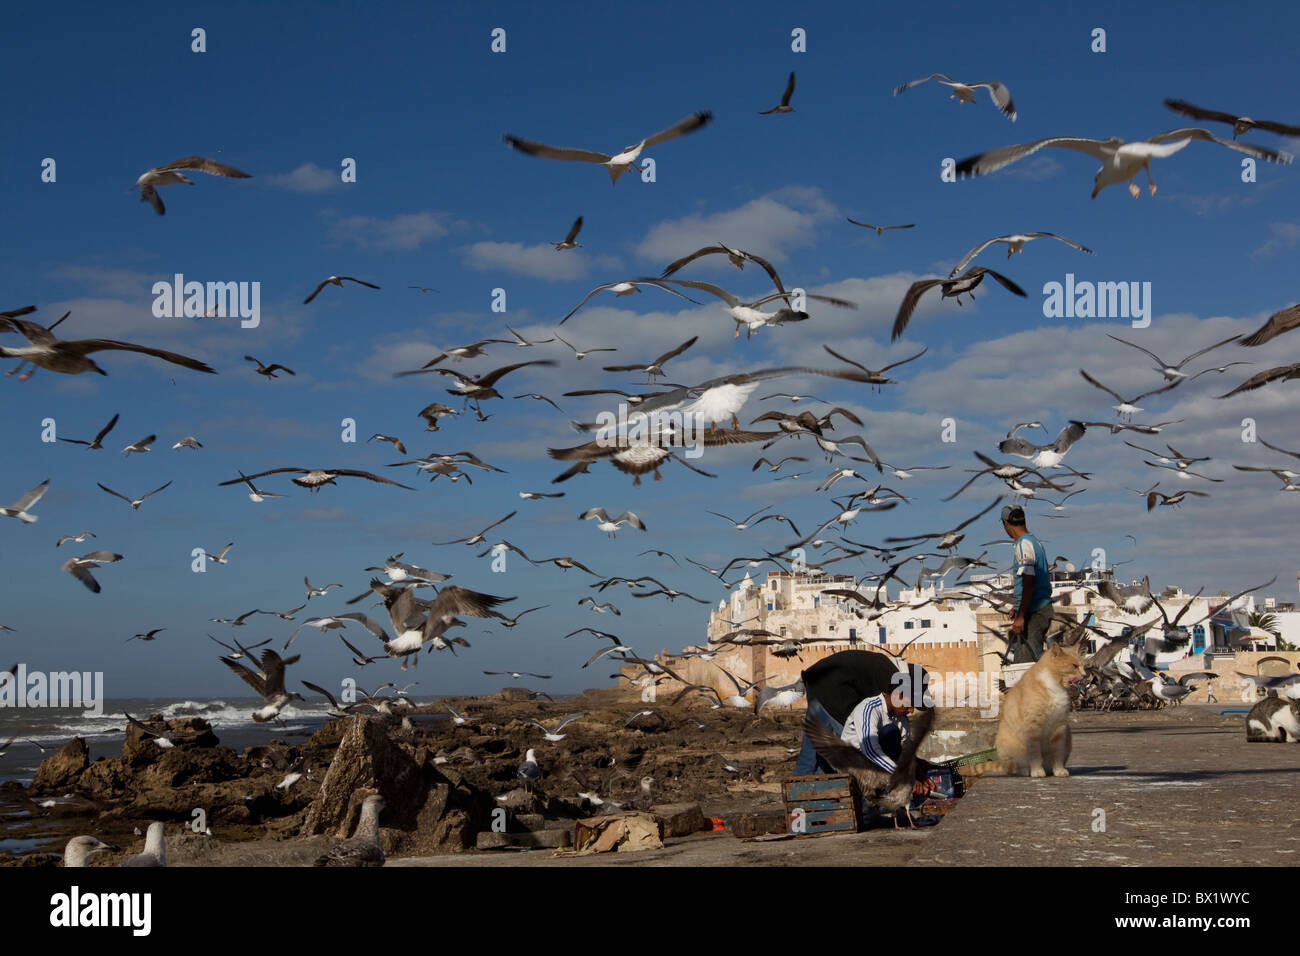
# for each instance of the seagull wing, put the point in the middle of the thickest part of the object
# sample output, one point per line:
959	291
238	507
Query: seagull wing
1001	97
925	79
205	165
1283	372
33	496
82	347
314	292
1259	152
710	288
354	473
698	253
1278	323
973	253
574	230
323	692
995	159
680	128
160	488
1208	348
251	678
533	148
1091	381
909	303
767	267
114	493
150	195
497	374
1197	112
1000	279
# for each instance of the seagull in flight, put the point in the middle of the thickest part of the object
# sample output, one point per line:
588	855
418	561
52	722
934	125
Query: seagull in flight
140	446
1127	408
312	479
620	288
880	230
1170	372
268	371
1016	243
611	525
98	442
81	567
255	494
737	257
965	92
1240	124
70	356
784	106
74	537
570	241
135	503
268	682
19	508
338	281
1120	161
170	175
951	288
616	165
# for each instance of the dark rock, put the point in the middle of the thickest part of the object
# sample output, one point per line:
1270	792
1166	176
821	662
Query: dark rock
61	770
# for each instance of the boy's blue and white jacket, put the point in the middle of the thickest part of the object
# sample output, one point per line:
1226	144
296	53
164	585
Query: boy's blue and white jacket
863	726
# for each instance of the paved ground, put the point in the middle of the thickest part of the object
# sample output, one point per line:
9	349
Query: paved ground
1177	787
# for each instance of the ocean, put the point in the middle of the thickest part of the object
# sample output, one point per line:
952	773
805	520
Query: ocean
231	720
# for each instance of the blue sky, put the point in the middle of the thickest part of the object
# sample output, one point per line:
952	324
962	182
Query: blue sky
414	94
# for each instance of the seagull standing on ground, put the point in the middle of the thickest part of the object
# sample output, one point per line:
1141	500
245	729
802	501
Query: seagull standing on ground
155	849
363	848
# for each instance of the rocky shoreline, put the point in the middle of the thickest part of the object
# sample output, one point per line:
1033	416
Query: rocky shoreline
444	785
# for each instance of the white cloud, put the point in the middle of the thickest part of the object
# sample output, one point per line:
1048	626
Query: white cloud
1284	235
537	262
403	231
766	226
307	178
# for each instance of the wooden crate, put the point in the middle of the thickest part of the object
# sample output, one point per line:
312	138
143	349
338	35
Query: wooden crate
821	803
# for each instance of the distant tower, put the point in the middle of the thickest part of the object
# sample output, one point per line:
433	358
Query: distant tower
1297	580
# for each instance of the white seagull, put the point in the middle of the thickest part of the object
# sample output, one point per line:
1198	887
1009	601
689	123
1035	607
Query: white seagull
611	525
1120	161
169	176
1016	243
965	92
619	163
19	508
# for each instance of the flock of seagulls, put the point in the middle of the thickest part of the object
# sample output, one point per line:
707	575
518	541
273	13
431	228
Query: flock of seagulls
418	611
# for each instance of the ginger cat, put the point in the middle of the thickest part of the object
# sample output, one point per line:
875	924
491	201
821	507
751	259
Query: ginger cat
1034	731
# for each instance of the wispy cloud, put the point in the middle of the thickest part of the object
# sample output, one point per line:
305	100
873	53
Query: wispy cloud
119	282
537	262
307	178
1284	236
767	226
403	231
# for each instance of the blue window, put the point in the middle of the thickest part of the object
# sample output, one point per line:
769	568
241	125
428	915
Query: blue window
881	638
769	605
925	622
817	601
907	625
1198	639
853	634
